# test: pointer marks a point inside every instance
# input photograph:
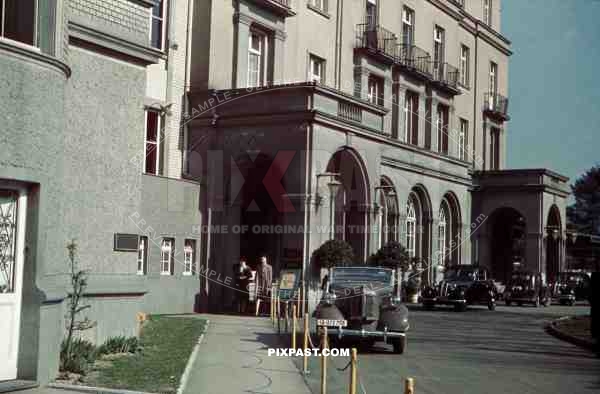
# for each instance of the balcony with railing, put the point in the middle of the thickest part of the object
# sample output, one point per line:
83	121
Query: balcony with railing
376	41
445	76
414	59
496	106
281	7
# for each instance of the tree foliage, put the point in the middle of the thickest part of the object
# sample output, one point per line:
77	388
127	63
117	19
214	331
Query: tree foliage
333	253
584	214
391	255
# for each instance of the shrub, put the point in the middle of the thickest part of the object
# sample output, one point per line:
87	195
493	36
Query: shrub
118	344
333	253
80	356
391	255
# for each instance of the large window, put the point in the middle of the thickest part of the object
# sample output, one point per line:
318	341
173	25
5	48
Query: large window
408	26
463	137
152	142
493	83
30	22
142	261
494	148
487	12
442	234
438	51
375	93
442	128
411	228
464	65
411	118
371	13
167	249
316	69
189	257
158	26
257	50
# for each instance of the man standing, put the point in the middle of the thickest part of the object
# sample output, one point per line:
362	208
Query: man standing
242	279
264	278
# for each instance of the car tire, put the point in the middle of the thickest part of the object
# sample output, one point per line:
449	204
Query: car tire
460	307
571	303
507	302
547	302
428	306
536	303
520	303
399	345
492	306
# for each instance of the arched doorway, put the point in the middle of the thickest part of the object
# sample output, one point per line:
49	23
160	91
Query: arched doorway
449	225
418	230
508	242
388	214
554	243
352	201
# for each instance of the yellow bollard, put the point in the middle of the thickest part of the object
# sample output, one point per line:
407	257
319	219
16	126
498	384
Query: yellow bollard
294	326
272	309
353	361
305	345
324	363
409	386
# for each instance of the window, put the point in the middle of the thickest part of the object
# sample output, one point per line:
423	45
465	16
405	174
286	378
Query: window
493	84
375	94
157	32
166	256
442	128
18	20
152	142
371	13
438	51
442	235
189	257
142	261
320	5
411	228
257	49
463	137
464	65
411	118
408	27
487	12
494	148
316	69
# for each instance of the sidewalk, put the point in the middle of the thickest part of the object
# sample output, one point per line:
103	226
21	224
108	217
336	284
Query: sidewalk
233	359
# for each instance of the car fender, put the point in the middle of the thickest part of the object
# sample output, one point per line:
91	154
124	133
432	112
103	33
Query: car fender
328	311
394	317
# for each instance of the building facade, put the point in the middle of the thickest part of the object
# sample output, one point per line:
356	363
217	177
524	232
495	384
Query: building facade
170	138
92	96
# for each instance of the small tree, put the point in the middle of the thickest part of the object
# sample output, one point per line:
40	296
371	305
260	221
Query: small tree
333	253
392	255
73	322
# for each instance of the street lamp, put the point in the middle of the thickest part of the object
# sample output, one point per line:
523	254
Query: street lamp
334	186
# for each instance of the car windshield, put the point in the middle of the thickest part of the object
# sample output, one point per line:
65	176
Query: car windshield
341	275
460	274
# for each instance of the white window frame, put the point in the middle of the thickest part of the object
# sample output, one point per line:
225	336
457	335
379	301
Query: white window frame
411	228
142	259
155	143
261	54
409	108
408	19
463	135
163	29
487	12
438	48
35	45
167	247
442	233
189	257
493	79
320	5
465	55
320	62
375	90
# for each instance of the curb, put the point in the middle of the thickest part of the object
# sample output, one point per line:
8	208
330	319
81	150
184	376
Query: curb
553	330
91	390
188	367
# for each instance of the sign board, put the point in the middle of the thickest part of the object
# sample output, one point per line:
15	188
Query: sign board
289	283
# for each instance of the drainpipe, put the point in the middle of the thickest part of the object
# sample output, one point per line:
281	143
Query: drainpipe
338	44
307	211
473	149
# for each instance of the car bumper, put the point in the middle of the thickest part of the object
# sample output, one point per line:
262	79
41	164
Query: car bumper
566	297
358	334
443	301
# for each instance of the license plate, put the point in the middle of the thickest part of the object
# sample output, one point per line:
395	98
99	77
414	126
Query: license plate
331	322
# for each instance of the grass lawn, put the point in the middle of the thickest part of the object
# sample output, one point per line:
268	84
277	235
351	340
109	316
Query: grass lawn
167	343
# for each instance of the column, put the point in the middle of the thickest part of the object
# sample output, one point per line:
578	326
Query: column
242	26
401	117
388	103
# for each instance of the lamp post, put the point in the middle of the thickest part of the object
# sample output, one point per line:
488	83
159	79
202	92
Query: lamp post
334	186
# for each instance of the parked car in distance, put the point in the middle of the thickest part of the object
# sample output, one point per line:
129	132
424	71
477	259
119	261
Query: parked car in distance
462	286
527	287
571	286
358	305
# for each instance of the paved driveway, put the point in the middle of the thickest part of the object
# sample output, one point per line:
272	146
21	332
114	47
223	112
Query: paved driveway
478	351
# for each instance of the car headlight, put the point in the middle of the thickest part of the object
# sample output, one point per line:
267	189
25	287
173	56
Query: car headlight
395	300
329	298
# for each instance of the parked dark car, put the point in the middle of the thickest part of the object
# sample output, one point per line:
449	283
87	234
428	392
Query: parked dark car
527	287
571	287
462	286
359	306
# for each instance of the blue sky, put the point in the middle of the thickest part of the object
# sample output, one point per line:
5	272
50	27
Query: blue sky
554	78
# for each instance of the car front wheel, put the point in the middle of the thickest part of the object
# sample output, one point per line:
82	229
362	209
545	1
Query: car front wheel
399	345
537	302
492	306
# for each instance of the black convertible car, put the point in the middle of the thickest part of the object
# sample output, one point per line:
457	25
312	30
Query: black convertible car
359	306
462	286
